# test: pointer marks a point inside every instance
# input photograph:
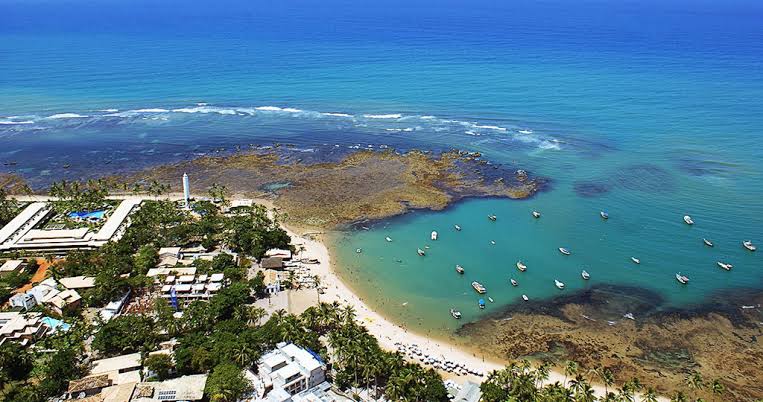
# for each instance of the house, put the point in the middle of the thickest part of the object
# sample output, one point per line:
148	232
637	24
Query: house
277	252
113	308
184	289
120	369
187	388
272	263
23	300
272	281
168	256
12	266
289	370
22	328
78	282
67	300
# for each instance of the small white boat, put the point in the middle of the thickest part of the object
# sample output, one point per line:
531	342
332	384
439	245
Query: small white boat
514	282
635	260
421	252
490	299
434	235
478	287
725	266
389	239
458	228
455	313
688	220
525	298
522	267
459	269
492	242
559	284
748	245
360	250
604	215
492	217
629	316
536	214
564	251
481	303
682	279
585	275
707	242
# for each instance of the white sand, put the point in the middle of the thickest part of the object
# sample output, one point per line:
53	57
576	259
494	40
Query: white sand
389	333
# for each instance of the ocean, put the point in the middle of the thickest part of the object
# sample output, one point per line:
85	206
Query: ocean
648	110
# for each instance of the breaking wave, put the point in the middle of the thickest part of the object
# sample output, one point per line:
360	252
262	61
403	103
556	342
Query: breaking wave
389	123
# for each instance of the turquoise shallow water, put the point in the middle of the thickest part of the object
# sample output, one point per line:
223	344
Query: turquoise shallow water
649	110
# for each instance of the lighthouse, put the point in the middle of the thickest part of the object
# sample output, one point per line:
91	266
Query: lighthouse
186	191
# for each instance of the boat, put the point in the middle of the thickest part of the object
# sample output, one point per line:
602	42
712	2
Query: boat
604	215
389	239
478	287
688	220
421	252
455	313
525	298
458	228
490	299
707	242
481	303
492	217
748	245
725	266
585	275
635	260
521	267
434	235
459	269
682	279
559	284
514	282
360	250
629	316
564	251
492	242
536	214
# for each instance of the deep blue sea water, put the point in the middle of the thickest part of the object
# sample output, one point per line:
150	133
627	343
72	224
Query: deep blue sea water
649	110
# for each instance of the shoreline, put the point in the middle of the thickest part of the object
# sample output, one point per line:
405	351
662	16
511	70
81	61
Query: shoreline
390	334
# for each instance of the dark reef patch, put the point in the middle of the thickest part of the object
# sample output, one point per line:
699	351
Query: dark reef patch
589	189
645	177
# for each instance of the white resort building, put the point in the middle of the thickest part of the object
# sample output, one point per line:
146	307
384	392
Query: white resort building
22	328
23	232
291	374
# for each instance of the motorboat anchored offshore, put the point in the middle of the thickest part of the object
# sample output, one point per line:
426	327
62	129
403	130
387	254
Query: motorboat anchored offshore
725	266
585	275
459	269
478	287
682	279
514	282
748	245
492	217
434	235
564	251
604	215
559	284
525	298
707	242
522	267
458	228
688	220
635	260
536	214
481	303
455	313
421	252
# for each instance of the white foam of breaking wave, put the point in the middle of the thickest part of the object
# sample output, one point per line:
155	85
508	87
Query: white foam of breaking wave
336	114
428	117
150	110
383	116
496	128
545	144
66	116
278	109
205	109
108	110
8	122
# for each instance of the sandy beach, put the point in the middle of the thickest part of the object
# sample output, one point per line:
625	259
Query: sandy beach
389	334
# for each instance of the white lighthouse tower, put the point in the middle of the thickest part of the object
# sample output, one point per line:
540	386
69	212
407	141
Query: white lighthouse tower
186	191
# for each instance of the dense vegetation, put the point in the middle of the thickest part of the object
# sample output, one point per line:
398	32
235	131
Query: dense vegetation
8	208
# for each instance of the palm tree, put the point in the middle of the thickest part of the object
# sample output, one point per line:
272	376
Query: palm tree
650	395
694	381
717	388
570	370
607	378
541	374
678	397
